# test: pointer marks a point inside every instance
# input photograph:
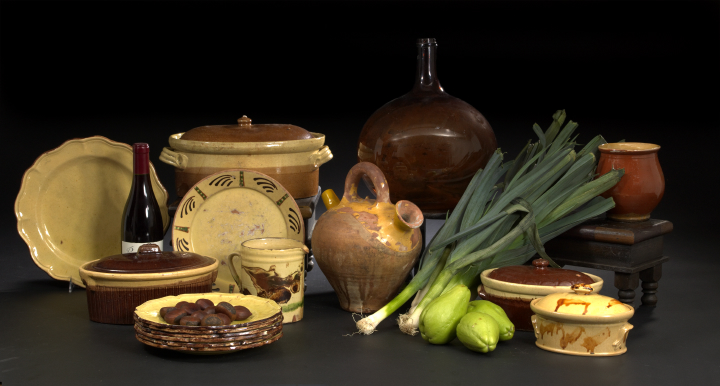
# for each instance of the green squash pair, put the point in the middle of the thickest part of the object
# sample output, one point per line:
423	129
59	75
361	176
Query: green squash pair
479	325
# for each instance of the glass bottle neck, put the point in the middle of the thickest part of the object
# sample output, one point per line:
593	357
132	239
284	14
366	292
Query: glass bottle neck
426	79
141	159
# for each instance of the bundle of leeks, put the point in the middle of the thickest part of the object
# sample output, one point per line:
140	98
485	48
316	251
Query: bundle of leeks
545	191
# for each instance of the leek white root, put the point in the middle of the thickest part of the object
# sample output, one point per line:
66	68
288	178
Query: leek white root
409	322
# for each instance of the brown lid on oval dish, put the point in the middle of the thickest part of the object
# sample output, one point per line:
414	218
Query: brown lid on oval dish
245	131
150	259
539	274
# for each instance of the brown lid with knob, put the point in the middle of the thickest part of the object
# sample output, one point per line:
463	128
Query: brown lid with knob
150	259
539	274
245	131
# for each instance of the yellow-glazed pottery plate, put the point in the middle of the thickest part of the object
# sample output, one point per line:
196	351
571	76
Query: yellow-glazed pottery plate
70	205
224	209
262	309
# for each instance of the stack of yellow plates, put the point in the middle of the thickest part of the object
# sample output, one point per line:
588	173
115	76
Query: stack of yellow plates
263	327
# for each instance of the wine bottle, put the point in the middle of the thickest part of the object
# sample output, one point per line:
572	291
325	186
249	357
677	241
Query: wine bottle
142	220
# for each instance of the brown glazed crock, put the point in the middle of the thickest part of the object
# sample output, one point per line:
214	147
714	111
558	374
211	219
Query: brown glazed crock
642	186
514	287
116	285
289	154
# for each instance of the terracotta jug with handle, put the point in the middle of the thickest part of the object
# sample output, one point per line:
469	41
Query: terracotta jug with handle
367	247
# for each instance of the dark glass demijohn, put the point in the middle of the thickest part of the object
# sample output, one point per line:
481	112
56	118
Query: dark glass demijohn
428	143
142	219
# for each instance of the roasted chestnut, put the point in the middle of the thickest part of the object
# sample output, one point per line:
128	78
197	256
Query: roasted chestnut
174	316
210	310
226	308
226	319
212	320
204	303
242	313
165	310
198	314
189	321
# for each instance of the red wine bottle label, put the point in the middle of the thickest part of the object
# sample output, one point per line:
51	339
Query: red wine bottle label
133	247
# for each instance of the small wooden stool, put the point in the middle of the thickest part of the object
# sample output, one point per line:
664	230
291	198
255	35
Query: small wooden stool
634	251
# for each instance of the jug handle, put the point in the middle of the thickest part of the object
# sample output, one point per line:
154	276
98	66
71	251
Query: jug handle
232	269
376	176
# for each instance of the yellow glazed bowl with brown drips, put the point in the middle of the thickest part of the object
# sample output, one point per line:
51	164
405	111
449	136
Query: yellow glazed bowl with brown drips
581	323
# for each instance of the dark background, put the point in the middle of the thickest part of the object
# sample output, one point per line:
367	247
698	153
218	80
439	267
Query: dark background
139	71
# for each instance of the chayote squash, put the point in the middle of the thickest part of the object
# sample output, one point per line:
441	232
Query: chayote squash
478	331
439	319
507	328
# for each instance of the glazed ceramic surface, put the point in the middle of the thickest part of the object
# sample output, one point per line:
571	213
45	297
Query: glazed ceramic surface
262	310
643	185
273	268
364	247
119	283
70	205
515	298
428	143
581	323
287	153
225	209
263	327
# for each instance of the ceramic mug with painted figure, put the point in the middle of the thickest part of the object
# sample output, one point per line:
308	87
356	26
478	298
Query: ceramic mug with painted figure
273	268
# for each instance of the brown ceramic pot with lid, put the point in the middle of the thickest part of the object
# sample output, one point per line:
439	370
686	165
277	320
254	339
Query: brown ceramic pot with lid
119	283
428	143
514	287
289	154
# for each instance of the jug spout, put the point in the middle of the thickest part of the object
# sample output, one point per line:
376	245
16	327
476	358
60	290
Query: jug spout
407	215
330	199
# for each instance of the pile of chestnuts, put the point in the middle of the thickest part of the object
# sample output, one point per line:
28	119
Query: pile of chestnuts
204	313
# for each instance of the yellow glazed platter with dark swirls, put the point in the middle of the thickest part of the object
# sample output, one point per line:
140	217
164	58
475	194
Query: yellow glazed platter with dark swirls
224	209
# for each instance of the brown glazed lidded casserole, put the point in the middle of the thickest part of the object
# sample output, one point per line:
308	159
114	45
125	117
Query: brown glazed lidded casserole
119	283
514	287
289	154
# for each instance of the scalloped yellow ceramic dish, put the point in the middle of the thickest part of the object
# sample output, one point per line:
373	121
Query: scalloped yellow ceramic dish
71	201
224	209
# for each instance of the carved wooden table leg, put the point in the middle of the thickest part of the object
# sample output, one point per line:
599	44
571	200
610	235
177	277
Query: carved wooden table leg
650	278
626	283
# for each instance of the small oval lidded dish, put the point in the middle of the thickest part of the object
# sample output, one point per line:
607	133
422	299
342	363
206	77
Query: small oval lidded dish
117	284
514	287
580	322
287	153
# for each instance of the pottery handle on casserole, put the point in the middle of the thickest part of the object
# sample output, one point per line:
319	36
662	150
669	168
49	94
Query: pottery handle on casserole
533	319
376	176
321	156
481	292
233	272
170	157
618	344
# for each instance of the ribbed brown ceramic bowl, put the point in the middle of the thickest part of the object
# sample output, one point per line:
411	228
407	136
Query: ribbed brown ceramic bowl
115	290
